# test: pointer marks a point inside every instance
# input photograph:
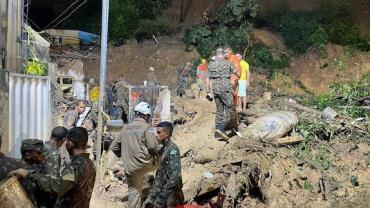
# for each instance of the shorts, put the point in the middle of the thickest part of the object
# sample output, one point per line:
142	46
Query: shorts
201	85
242	88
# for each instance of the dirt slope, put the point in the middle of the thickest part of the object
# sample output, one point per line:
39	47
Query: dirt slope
133	60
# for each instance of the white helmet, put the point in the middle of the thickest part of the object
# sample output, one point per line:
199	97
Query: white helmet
143	108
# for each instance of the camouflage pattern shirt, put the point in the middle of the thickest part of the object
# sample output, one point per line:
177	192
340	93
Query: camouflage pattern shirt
75	185
8	164
168	177
220	71
122	95
52	160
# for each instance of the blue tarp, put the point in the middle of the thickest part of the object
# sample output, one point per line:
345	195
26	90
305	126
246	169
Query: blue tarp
88	37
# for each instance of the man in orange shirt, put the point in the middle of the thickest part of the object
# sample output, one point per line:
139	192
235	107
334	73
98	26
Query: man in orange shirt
231	57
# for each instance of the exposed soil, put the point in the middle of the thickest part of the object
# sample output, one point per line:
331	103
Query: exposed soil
133	60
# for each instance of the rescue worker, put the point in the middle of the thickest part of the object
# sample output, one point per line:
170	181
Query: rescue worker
184	79
55	158
232	58
220	71
243	84
75	185
151	78
8	164
33	153
71	117
122	99
139	148
203	78
167	189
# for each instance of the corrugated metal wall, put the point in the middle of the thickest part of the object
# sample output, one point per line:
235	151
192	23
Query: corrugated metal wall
29	110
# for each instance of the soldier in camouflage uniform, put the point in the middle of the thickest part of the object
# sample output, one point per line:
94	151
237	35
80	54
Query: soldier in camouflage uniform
75	185
184	79
32	151
7	164
53	159
167	189
122	102
220	71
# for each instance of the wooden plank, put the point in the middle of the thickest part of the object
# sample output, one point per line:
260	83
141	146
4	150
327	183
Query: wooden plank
13	48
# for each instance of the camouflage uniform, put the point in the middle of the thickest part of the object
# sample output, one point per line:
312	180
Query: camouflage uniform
52	159
65	159
167	189
8	164
220	71
184	79
122	102
75	185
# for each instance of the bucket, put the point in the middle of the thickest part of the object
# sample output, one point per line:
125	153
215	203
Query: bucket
115	125
329	114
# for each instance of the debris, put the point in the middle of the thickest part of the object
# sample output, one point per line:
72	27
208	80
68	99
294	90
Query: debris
208	175
301	107
354	181
288	140
329	114
155	39
267	96
271	126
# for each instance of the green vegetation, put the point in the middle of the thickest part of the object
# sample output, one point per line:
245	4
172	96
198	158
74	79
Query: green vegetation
332	22
149	27
262	60
312	148
347	98
127	19
35	67
230	26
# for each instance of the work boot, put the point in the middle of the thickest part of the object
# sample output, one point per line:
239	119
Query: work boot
221	135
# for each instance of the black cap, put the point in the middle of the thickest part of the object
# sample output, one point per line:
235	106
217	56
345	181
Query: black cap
78	135
59	133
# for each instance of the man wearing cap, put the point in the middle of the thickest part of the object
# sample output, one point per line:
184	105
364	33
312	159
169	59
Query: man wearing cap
167	189
220	71
75	185
8	164
32	151
139	148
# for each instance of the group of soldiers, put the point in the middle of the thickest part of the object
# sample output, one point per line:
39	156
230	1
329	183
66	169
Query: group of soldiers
61	173
56	174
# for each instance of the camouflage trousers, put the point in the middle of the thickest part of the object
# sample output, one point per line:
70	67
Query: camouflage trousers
224	108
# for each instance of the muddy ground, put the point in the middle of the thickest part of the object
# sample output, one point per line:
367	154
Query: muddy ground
256	174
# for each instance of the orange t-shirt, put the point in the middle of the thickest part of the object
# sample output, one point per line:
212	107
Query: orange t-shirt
203	67
236	61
